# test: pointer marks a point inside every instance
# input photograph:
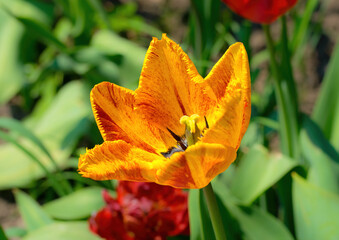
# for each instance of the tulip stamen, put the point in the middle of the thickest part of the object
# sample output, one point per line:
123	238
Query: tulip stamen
192	132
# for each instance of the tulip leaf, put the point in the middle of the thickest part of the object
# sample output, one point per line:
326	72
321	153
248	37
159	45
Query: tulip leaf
300	31
31	212
257	172
42	32
326	110
58	130
15	126
321	155
77	205
253	222
64	231
11	73
32	9
15	232
2	234
316	211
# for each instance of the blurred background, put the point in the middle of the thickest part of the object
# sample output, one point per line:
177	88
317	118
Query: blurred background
53	52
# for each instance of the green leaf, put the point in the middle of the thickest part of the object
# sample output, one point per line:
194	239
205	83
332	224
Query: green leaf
81	9
133	55
231	225
15	232
326	110
94	64
257	172
32	157
31	212
302	27
254	222
2	234
58	129
15	126
42	33
77	205
321	155
11	69
205	15
316	211
32	9
64	231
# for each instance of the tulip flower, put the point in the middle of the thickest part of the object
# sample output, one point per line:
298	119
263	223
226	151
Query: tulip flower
142	211
177	128
260	11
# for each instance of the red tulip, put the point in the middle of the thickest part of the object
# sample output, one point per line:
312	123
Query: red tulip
260	11
142	211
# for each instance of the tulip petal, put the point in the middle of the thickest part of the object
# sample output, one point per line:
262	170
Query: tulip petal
231	84
170	86
195	167
114	112
232	68
118	160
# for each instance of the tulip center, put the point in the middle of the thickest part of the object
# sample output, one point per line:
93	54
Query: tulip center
192	132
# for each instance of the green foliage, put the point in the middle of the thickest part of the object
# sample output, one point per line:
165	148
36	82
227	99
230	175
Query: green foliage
63	230
326	110
316	211
2	234
41	226
77	205
58	129
32	214
11	74
254	223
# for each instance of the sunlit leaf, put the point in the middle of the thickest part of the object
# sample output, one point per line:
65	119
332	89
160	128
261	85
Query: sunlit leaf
64	231
31	212
321	155
77	205
257	172
11	68
32	9
15	232
316	211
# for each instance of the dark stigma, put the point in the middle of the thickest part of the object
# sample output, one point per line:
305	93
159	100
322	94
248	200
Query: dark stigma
179	140
206	122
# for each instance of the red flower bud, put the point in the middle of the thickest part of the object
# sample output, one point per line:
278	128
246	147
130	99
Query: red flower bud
260	11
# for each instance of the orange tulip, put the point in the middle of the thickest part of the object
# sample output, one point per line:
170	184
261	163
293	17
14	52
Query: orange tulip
177	128
260	11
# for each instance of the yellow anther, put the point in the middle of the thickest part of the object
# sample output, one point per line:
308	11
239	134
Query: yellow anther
192	132
190	122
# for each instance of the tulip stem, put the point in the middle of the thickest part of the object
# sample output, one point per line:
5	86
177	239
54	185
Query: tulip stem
213	209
